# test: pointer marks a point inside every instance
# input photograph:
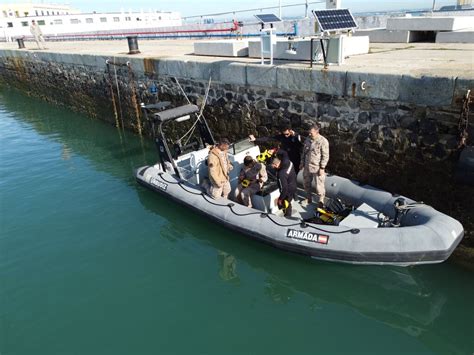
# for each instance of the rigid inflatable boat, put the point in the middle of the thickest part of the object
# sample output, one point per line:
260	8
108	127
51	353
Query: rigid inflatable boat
364	226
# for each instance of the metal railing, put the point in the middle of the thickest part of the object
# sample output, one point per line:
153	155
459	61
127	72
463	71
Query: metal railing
305	4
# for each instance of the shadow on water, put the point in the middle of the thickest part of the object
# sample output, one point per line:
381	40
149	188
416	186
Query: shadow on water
423	302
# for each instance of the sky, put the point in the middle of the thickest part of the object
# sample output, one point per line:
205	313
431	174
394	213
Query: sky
199	7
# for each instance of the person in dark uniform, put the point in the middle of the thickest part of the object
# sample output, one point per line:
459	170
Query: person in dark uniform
286	177
288	140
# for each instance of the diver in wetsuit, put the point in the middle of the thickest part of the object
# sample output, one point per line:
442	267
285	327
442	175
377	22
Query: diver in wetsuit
286	177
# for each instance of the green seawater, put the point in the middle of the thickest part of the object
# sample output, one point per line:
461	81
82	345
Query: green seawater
92	263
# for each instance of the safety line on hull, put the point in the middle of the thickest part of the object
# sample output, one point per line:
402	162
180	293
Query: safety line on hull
302	224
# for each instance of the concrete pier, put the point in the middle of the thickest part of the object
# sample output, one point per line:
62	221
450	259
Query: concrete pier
388	115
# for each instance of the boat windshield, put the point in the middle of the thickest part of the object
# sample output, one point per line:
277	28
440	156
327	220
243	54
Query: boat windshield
241	146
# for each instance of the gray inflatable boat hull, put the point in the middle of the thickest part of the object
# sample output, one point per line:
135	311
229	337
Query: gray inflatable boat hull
427	236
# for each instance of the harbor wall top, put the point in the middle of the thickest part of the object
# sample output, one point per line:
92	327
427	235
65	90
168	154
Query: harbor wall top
366	76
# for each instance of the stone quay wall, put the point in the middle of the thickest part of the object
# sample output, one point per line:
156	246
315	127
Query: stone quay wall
393	131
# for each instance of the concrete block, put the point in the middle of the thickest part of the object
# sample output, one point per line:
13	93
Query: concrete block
302	48
355	45
222	48
427	90
331	82
351	46
97	61
254	49
137	64
172	67
319	81
262	75
381	35
420	23
233	73
72	59
463	36
373	85
279	48
295	79
203	71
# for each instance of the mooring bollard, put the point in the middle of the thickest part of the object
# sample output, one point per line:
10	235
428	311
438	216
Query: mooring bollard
132	45
21	43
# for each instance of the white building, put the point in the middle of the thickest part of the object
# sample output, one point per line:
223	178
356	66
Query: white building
31	9
57	20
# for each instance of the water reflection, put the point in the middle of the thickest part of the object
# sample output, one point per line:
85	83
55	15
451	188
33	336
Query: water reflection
278	290
65	152
227	267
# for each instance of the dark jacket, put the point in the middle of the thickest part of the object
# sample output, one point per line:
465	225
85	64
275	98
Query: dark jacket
292	145
286	177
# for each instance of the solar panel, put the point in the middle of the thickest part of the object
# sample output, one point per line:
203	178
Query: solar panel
267	18
334	20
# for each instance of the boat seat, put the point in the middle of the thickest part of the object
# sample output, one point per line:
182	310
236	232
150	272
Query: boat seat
363	216
192	166
265	200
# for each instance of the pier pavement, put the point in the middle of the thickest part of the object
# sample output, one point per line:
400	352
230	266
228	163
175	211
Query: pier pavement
430	59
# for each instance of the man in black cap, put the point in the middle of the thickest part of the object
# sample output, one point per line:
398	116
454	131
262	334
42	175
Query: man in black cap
288	140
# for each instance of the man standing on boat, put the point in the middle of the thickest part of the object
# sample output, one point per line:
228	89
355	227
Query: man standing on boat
219	169
37	34
314	161
251	179
286	176
288	140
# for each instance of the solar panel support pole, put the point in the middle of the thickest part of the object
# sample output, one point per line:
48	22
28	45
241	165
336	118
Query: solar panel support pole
323	50
267	39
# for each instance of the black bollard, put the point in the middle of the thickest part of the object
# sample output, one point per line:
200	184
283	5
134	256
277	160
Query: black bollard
21	43
132	45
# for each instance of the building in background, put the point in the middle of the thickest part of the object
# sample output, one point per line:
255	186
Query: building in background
63	21
31	9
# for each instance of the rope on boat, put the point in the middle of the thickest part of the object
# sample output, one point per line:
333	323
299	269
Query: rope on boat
301	223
